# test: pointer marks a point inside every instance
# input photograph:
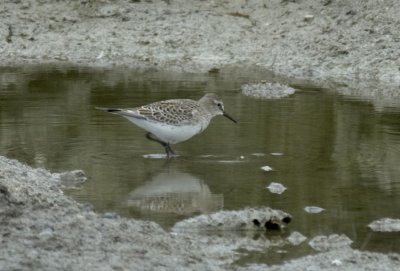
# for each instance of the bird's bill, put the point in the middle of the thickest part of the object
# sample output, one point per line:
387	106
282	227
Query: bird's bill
229	117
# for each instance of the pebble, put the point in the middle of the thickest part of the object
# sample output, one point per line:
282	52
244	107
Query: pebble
296	238
385	225
276	188
267	168
333	241
313	209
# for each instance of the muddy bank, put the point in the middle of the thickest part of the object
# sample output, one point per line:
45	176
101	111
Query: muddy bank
319	40
42	229
343	259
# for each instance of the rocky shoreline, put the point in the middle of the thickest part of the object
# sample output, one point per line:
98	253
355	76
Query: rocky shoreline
352	45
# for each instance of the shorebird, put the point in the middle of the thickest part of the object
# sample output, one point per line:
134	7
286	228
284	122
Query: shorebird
172	121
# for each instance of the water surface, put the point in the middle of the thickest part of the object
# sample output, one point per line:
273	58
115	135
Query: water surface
331	151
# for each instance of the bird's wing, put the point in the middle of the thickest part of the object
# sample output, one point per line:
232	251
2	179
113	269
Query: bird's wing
176	112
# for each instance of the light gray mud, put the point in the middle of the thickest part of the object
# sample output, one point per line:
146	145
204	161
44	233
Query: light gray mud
343	259
327	39
353	44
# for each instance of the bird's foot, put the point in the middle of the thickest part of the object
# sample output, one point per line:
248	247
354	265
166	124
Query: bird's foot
170	153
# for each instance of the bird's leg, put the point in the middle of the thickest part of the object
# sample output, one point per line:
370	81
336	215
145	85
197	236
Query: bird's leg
169	151
166	146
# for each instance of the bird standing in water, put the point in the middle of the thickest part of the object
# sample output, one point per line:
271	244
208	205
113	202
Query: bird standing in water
172	121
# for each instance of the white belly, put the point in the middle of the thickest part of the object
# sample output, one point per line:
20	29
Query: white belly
169	133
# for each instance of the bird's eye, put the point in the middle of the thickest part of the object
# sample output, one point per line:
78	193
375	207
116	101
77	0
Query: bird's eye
219	104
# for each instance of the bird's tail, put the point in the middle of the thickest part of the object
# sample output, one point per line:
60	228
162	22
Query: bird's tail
111	110
122	112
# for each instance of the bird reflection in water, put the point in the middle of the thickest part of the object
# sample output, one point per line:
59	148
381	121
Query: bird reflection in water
175	192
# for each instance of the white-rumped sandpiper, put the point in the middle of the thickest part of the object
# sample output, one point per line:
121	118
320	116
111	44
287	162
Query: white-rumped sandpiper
173	121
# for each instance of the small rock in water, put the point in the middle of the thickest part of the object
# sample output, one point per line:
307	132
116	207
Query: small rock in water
267	168
333	241
276	188
155	156
71	178
313	209
276	153
385	225
267	90
296	238
248	219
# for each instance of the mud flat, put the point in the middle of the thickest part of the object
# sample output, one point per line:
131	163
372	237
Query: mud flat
344	259
335	40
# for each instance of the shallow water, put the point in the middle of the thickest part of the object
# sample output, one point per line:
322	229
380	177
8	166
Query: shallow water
330	151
